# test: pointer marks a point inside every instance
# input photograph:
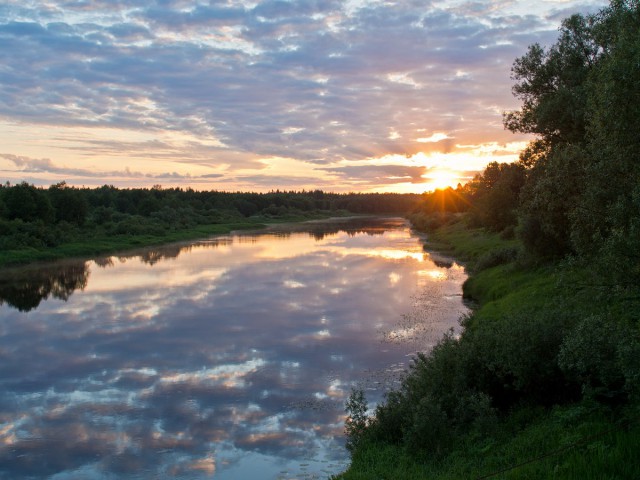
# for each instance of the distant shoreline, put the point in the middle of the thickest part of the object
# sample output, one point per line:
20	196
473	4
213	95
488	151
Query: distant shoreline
113	244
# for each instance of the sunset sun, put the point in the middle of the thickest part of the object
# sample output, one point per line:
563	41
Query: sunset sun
441	179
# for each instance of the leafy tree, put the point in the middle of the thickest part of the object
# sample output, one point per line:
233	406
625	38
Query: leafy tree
549	198
27	203
551	85
357	420
70	204
581	97
609	216
494	195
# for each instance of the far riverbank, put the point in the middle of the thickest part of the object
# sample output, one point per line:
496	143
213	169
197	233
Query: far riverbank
89	241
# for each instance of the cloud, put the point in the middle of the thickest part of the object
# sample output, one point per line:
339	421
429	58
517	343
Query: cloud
247	75
381	174
45	165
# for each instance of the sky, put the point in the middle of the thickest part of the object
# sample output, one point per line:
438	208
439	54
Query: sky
240	95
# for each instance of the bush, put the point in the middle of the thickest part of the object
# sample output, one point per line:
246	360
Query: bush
357	421
496	257
428	222
603	356
517	358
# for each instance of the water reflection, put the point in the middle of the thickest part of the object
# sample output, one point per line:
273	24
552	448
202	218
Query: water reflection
226	358
24	288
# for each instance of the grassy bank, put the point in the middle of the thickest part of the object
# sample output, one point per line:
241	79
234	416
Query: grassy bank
98	243
96	240
543	383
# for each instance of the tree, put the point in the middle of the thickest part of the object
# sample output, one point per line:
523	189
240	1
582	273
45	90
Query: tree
551	85
581	97
70	204
548	199
495	195
357	420
27	203
609	213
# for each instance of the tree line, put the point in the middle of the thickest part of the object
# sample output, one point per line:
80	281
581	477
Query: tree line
38	217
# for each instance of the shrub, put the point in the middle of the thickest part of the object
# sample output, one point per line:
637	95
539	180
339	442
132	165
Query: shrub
428	222
356	422
496	257
603	356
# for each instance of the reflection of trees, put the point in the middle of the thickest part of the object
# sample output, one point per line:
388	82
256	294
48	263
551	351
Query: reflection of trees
331	227
104	262
25	288
152	256
321	234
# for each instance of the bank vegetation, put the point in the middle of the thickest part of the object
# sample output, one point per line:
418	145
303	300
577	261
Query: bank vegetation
544	380
61	221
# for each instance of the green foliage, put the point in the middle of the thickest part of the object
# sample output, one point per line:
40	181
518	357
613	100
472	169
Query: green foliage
535	345
581	97
571	443
493	258
516	358
70	205
550	84
464	383
470	245
494	195
548	199
611	202
429	222
27	203
603	355
357	420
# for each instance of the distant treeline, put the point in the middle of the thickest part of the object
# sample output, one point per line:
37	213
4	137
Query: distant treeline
44	217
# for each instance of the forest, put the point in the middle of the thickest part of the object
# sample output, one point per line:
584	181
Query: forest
544	380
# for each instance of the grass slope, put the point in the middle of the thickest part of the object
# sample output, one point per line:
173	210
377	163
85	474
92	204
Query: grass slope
579	439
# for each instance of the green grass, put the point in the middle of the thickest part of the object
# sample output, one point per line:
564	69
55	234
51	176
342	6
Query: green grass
507	289
466	244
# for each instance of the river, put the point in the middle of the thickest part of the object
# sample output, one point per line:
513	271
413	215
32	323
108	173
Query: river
225	358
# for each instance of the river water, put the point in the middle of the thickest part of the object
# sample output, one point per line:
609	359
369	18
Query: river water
226	358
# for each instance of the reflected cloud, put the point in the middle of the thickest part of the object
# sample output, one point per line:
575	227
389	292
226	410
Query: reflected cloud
233	358
228	376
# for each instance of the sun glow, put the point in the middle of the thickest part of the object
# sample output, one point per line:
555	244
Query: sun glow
441	179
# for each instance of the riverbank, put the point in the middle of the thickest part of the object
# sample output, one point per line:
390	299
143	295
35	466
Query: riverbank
89	241
542	383
101	244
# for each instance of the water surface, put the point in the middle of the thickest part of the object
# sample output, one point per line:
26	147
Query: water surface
225	358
